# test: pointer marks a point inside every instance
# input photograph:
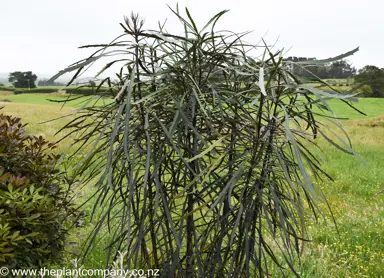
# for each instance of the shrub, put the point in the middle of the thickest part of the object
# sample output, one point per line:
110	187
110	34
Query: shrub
34	203
205	158
18	92
43	90
365	91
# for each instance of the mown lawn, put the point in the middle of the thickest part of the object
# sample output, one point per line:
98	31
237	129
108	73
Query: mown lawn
357	250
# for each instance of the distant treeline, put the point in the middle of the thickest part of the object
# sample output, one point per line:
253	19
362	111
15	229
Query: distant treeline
338	69
47	82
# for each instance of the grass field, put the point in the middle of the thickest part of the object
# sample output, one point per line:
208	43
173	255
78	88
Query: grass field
358	249
372	107
52	99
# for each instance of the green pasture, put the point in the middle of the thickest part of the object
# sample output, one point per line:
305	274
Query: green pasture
372	107
55	99
356	250
355	199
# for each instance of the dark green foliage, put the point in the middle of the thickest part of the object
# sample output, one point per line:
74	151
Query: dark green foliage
41	90
205	158
5	88
22	79
34	200
73	91
373	77
340	69
365	91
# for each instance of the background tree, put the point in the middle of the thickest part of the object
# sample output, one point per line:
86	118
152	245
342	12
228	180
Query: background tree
21	79
374	77
204	159
341	69
92	83
337	69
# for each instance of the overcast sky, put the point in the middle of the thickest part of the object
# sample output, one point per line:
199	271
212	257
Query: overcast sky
43	35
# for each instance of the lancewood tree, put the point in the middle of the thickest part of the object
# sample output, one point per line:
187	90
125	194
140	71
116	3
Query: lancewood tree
206	158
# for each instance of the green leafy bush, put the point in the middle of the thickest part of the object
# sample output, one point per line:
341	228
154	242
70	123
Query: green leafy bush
365	91
35	204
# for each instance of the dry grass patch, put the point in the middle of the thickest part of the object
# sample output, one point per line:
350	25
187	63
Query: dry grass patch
36	117
5	93
374	122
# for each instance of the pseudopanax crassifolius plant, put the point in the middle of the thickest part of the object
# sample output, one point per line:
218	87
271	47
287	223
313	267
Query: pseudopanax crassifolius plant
206	159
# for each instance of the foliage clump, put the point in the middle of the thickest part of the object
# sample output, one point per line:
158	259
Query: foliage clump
34	202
